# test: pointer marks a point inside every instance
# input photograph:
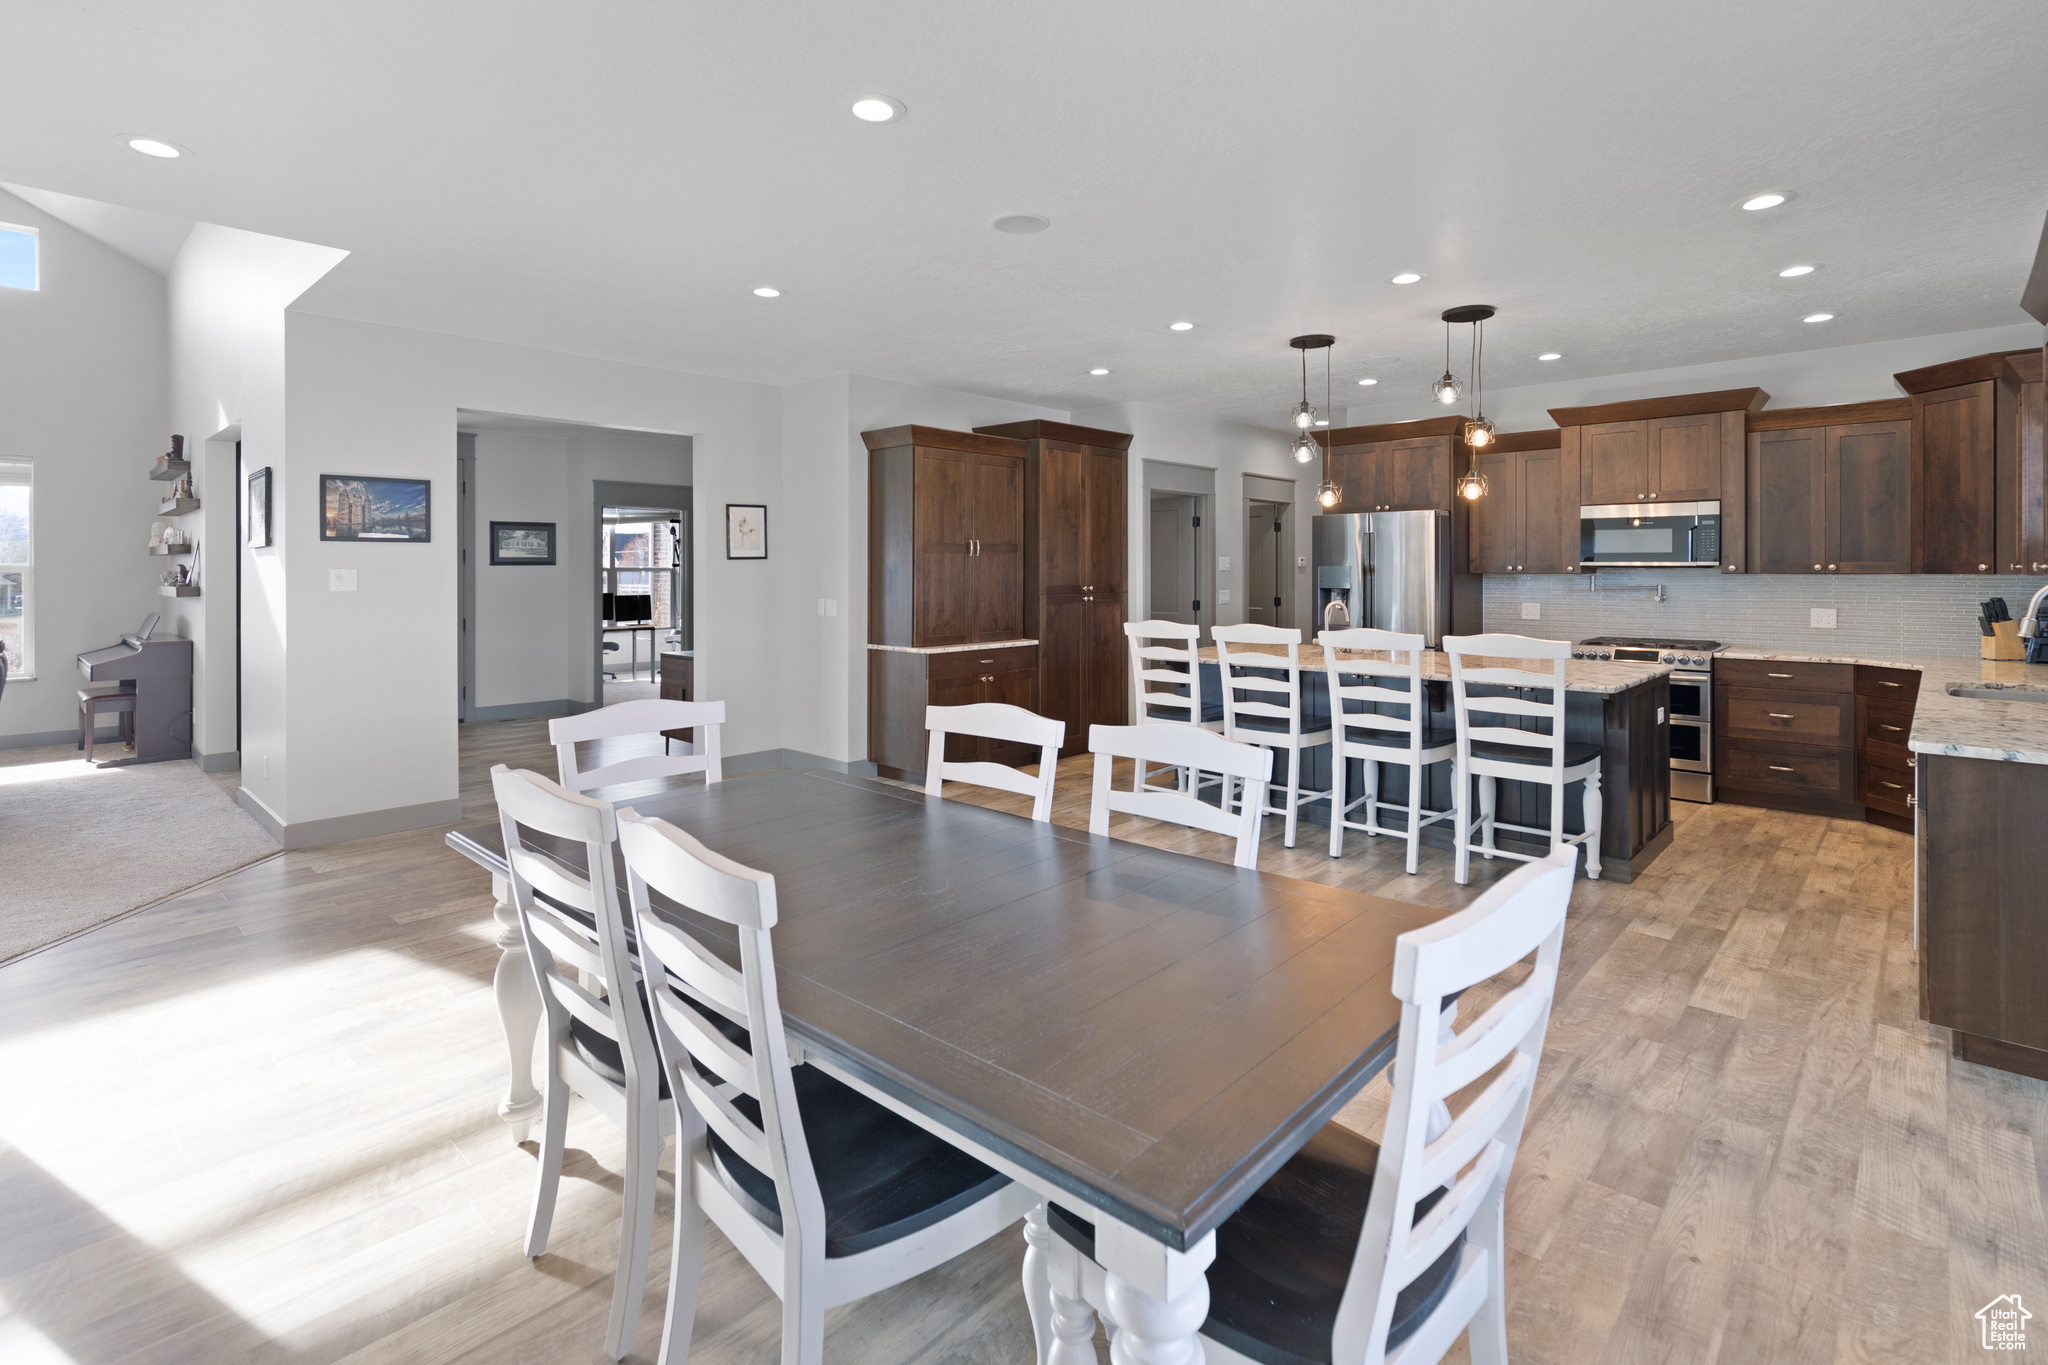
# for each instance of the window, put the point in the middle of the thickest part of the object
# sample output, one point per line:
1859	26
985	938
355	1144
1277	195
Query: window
17	257
16	563
641	557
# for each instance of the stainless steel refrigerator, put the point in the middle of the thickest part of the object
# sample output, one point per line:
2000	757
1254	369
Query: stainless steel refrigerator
1399	571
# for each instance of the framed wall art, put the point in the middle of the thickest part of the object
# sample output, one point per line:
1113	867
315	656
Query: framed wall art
746	530
258	513
358	507
522	542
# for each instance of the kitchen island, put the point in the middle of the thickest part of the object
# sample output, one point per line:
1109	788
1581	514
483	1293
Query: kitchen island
1622	707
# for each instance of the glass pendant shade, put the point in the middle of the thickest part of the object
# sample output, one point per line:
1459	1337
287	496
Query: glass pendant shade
1304	415
1479	432
1472	485
1305	450
1448	389
1327	493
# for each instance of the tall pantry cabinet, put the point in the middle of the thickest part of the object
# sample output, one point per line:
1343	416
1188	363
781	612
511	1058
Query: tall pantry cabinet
1076	537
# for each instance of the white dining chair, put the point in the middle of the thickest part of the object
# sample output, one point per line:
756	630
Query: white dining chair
597	1043
1390	726
1488	752
1260	709
647	717
1166	684
1181	746
829	1195
1364	1253
994	720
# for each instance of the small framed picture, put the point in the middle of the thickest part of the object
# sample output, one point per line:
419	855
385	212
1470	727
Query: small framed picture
522	542
258	514
746	531
356	507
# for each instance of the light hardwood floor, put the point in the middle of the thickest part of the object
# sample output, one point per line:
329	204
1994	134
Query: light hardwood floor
256	1124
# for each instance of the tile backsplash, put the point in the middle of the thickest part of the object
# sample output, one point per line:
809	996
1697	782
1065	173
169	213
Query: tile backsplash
1913	614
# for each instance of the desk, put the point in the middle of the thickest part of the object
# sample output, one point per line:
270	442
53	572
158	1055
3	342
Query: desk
1145	1036
633	629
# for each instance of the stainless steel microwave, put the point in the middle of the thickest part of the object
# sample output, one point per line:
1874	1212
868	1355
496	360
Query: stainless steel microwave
1650	535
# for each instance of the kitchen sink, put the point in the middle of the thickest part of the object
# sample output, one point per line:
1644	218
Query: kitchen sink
2000	692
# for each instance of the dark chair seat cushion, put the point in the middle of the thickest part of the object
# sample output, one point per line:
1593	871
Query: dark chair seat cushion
882	1176
1394	739
1574	754
1282	1259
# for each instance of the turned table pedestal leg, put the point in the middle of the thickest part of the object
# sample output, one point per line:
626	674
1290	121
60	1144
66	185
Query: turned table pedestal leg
519	1011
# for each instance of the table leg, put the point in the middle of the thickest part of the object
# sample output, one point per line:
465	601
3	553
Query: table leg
1038	1280
519	1011
1157	1297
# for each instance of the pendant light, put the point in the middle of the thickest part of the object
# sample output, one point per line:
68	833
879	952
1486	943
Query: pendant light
1305	446
1478	432
1448	389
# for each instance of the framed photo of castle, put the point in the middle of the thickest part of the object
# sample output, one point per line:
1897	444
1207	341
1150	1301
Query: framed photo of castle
359	507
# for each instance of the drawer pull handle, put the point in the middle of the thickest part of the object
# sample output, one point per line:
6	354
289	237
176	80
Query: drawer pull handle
1777	675
1776	769
1886	682
1893	728
1912	800
1893	785
1781	715
988	661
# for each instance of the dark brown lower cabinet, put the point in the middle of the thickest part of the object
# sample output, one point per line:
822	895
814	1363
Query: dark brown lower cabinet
901	683
1083	671
1785	736
675	686
1982	917
1884	765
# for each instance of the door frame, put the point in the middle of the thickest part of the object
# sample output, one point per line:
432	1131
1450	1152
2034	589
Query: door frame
465	576
653	496
1283	570
1169	478
1205	555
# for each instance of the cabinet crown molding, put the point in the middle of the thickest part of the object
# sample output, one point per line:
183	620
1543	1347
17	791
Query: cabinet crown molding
1039	428
2026	367
938	438
1954	373
1505	441
1834	415
1390	431
1673	405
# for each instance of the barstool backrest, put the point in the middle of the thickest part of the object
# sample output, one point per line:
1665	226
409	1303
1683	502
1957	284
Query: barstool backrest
1490	661
1268	699
1376	681
1166	675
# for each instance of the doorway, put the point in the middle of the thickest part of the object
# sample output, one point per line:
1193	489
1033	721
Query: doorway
1268	550
643	596
1175	558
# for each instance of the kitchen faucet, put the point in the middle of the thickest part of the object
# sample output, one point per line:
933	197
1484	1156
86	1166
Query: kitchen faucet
2030	623
1336	605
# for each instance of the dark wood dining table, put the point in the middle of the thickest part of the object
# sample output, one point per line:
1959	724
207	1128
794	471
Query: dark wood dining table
1142	1035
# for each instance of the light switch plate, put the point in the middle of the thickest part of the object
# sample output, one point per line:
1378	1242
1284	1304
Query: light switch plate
1223	596
341	580
1532	611
1660	715
1222	563
828	606
1823	618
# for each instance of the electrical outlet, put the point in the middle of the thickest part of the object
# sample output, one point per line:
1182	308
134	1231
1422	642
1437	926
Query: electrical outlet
1823	618
1223	596
1222	563
1301	561
341	580
828	606
1532	611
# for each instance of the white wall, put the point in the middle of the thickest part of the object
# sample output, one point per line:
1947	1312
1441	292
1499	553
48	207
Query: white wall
521	625
82	394
1800	379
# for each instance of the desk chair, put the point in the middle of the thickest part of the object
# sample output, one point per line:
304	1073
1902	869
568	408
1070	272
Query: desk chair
611	647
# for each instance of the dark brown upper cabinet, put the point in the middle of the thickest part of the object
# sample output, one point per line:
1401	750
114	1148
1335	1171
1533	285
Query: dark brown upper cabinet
1963	412
1685	448
1397	466
1830	489
2022	494
1523	524
945	537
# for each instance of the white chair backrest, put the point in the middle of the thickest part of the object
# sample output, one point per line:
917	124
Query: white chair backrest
1181	746
1166	672
995	720
648	717
687	978
1264	699
1523	914
1375	681
559	944
1489	661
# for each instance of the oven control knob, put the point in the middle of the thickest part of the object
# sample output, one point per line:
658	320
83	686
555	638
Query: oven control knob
1670	658
1699	661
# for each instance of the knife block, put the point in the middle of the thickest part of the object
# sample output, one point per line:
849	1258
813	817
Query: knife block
2004	642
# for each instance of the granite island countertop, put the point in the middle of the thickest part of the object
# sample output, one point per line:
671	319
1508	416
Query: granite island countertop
1600	679
1963	727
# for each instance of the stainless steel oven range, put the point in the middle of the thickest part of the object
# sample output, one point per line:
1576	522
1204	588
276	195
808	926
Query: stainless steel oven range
1692	702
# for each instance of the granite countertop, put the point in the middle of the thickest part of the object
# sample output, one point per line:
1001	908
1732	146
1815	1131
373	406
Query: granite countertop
1964	727
1602	679
952	649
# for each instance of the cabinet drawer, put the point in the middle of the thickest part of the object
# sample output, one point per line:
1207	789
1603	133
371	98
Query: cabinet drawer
1822	718
1883	786
1799	677
972	663
1882	730
1890	684
1825	774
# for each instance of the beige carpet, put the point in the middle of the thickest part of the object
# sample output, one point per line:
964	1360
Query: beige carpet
80	845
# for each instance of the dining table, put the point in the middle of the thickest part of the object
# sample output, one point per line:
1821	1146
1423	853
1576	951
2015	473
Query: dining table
1143	1035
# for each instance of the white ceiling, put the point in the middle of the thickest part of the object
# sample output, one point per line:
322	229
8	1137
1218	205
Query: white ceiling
615	179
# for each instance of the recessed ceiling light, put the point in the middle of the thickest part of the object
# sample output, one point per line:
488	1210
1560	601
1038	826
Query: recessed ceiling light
1019	224
1098	371
1183	326
1322	421
1551	355
1368	382
878	109
764	292
1407	277
150	146
1793	272
1818	317
1768	200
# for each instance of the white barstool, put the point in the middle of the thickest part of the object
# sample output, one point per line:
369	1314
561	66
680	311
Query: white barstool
1490	752
1164	661
1271	716
1375	735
